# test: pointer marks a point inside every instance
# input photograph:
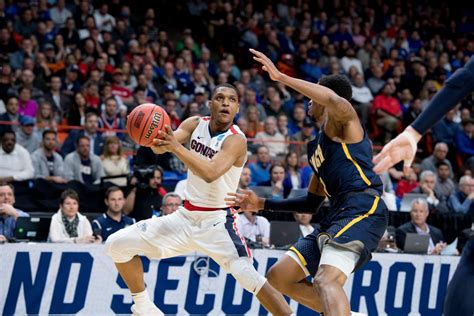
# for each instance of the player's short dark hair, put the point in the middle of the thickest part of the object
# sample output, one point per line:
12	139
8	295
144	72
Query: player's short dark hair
69	193
111	190
340	84
225	85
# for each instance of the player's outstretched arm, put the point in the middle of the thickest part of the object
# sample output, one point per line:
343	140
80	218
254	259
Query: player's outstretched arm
338	108
233	149
247	200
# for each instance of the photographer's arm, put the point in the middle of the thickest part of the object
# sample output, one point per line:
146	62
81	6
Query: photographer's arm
130	202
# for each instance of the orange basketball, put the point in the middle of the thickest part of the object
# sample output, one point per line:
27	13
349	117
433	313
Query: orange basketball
144	123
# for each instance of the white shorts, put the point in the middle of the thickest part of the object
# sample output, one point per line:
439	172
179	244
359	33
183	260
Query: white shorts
210	232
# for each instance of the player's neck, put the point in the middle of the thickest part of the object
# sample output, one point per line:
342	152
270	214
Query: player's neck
216	127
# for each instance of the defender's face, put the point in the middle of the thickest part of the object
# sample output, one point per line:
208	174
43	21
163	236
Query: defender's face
224	105
316	112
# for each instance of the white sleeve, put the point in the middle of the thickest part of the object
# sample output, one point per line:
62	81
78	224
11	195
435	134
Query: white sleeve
28	171
56	233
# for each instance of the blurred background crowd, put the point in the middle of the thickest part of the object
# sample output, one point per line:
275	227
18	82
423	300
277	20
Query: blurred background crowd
70	71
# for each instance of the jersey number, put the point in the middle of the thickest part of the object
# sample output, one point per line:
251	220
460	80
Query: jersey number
317	158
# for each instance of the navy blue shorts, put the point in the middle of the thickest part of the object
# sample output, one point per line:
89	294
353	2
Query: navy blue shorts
361	217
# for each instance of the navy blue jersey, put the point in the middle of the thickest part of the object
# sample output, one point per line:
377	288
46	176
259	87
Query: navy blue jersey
106	226
341	167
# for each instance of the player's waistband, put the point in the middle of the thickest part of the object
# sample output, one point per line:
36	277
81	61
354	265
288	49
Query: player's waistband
190	207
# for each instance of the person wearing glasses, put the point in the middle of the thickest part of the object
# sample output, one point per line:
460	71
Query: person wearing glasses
171	202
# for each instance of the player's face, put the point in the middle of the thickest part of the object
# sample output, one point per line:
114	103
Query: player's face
115	202
224	105
316	112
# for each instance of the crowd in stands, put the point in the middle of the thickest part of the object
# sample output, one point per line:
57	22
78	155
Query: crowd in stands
71	71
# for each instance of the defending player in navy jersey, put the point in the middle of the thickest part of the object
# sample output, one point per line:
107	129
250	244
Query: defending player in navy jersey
341	157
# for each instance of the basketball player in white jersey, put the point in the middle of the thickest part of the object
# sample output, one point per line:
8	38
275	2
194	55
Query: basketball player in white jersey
215	158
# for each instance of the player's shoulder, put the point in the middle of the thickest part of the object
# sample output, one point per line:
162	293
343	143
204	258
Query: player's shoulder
190	123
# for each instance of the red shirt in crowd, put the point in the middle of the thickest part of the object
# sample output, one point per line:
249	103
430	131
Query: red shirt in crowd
387	104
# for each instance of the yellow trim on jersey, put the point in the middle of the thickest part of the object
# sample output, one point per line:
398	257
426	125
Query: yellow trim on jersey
359	218
324	187
348	156
300	256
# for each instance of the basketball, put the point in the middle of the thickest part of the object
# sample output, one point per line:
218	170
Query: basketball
144	122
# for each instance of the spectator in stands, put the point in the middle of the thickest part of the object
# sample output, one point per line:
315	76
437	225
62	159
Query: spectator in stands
15	161
46	118
279	190
446	130
427	186
171	202
461	200
82	165
270	136
113	219
387	112
292	172
26	80
114	162
11	115
8	214
147	193
445	186
376	83
254	227
407	184
26	137
70	226
304	222
110	119
361	98
76	115
55	96
27	106
59	14
419	214
17	58
103	20
260	168
305	135
465	139
299	114
90	130
245	179
254	124
439	155
47	163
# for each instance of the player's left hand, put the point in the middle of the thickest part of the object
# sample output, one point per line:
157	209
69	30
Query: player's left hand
268	65
246	199
165	141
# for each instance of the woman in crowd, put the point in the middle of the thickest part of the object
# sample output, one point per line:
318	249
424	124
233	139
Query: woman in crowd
68	225
45	118
77	113
114	162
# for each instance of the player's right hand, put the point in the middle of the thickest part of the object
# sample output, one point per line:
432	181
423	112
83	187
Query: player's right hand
267	64
401	148
246	199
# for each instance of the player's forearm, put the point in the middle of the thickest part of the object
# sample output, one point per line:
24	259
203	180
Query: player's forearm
457	87
318	93
308	204
202	168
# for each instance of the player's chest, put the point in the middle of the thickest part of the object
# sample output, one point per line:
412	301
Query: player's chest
205	145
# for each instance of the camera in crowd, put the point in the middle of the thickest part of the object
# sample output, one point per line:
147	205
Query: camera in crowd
143	176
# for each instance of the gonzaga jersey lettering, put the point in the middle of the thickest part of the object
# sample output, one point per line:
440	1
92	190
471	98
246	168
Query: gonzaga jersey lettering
198	191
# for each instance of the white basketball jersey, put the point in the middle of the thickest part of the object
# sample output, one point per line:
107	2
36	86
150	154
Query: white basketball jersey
198	191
